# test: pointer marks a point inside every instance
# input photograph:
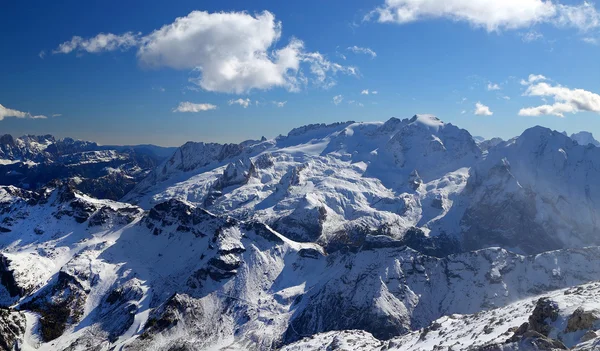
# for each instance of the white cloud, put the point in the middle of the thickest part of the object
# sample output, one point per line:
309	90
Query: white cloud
367	92
530	36
233	52
191	107
492	15
99	43
338	99
463	112
590	40
359	104
533	78
320	67
358	50
42	54
506	97
279	103
493	86
8	112
565	100
56	115
583	17
242	102
482	110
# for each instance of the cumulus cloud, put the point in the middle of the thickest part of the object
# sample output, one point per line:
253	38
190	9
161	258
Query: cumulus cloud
482	110
8	112
191	107
99	43
242	102
233	52
338	99
492	15
566	100
279	103
493	86
358	50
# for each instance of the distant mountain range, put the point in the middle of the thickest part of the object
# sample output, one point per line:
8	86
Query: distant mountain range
109	172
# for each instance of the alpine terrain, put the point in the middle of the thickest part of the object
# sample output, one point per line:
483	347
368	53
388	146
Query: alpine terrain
408	234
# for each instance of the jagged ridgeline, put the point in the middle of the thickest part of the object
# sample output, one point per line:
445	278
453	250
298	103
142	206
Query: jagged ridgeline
403	235
106	172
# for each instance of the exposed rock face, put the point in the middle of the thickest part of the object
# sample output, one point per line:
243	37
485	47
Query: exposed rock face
545	312
582	320
12	329
59	306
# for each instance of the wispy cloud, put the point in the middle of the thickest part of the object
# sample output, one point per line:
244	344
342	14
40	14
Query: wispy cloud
338	99
192	107
493	86
279	103
531	35
359	50
8	112
242	102
100	43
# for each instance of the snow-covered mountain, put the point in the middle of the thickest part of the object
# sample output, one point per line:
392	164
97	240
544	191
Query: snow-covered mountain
566	318
418	180
81	273
401	235
103	171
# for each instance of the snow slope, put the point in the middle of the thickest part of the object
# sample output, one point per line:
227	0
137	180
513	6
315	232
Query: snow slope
101	274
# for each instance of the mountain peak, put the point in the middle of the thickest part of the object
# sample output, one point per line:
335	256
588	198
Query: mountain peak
429	121
585	138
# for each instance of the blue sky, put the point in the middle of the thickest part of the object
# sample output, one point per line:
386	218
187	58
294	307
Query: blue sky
426	56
